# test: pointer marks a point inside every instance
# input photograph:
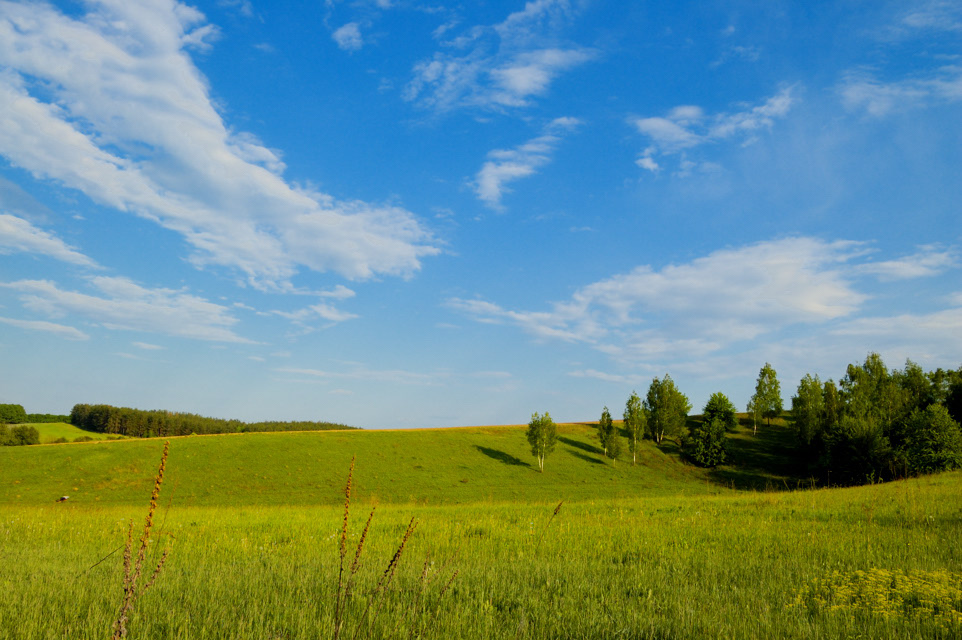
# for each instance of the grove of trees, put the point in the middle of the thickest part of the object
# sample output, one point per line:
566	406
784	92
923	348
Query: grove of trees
878	424
104	418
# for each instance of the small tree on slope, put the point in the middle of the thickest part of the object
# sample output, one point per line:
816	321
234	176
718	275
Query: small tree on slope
542	434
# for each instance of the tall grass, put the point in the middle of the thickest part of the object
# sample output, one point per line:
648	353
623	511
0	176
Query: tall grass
133	589
728	566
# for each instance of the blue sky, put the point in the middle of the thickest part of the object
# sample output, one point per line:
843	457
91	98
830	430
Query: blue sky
420	214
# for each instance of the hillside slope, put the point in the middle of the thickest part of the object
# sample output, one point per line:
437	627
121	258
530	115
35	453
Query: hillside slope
436	466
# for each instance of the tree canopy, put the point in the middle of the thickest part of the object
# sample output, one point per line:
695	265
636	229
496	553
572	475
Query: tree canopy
667	409
542	434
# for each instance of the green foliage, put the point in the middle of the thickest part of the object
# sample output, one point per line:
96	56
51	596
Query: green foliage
636	423
705	444
721	408
46	418
856	451
12	414
933	440
953	397
23	434
667	409
136	423
767	399
542	434
808	411
606	431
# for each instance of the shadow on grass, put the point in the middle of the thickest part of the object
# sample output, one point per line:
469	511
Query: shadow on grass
584	446
584	457
762	461
501	456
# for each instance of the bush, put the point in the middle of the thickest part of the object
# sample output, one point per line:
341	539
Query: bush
933	440
705	444
83	439
59	440
24	435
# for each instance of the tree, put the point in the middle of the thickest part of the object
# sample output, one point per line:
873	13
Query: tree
667	409
705	444
933	440
720	407
12	414
542	434
606	430
636	421
808	408
767	401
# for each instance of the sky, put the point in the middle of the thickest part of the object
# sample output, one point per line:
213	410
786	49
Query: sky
411	213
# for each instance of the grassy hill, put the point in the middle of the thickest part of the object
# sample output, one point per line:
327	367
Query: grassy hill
658	550
436	466
50	431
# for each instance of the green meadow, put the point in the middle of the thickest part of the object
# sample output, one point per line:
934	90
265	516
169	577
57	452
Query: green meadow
50	431
661	549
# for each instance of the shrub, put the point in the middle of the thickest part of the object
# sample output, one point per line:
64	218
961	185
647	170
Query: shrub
705	444
23	434
933	440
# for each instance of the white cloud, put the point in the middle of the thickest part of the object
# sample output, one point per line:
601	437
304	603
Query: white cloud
862	91
16	234
695	309
123	304
126	118
687	126
508	165
146	346
928	261
348	37
63	331
504	65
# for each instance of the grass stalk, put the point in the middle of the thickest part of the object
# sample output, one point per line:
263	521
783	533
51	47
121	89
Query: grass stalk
133	568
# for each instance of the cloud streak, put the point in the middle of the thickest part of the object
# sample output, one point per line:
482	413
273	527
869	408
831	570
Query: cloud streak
126	118
687	312
505	65
122	304
688	126
18	235
509	165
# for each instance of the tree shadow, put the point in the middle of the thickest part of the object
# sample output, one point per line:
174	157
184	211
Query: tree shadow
584	446
584	457
501	456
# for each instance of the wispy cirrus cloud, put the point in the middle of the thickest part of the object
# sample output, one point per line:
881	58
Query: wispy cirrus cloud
687	312
502	65
111	104
688	126
864	91
929	260
18	235
508	165
63	331
121	304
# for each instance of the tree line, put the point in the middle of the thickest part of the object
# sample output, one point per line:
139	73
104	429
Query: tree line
138	423
875	424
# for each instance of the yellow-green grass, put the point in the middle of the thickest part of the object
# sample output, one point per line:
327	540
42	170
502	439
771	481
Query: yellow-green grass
732	565
50	431
659	550
439	466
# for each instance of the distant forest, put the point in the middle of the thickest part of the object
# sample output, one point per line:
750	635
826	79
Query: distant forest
136	423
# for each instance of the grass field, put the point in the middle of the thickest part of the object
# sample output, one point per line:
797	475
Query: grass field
661	550
50	431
